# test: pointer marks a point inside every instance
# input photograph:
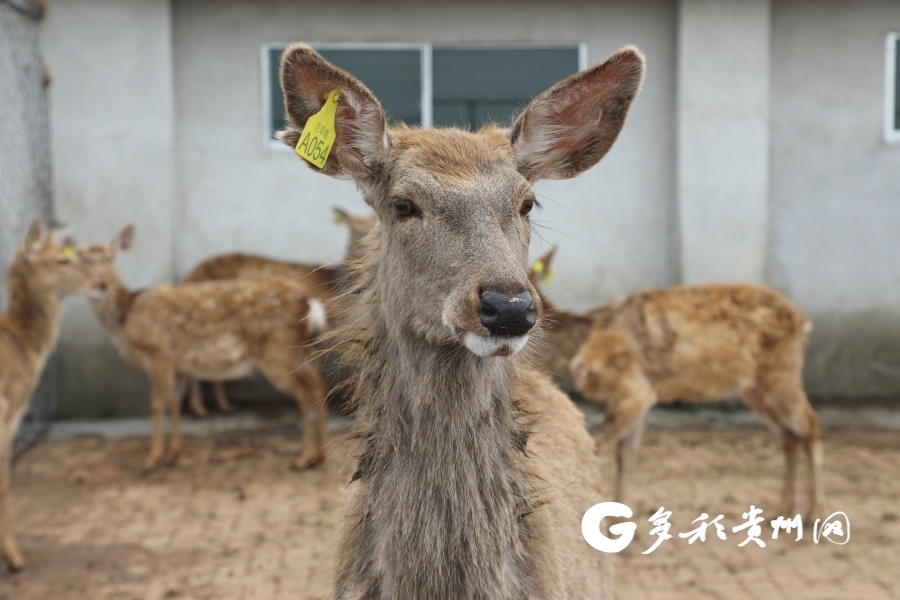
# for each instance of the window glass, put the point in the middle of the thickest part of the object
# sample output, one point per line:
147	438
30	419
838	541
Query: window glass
897	83
394	76
473	86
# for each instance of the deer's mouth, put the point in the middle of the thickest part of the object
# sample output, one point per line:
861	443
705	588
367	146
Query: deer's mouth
494	345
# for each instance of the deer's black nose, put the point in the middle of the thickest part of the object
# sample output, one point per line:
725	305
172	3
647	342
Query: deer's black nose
507	316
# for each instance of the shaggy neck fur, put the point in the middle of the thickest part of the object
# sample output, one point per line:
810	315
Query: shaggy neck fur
445	495
33	309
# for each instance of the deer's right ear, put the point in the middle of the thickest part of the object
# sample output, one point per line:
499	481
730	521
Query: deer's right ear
36	238
570	127
124	240
361	142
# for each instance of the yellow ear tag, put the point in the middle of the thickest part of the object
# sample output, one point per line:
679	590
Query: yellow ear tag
549	275
318	134
69	251
538	266
338	218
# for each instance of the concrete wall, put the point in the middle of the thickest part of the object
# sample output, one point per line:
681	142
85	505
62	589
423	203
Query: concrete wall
835	190
723	139
113	137
158	118
613	224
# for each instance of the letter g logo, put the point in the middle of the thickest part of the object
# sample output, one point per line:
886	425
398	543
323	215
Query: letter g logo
590	527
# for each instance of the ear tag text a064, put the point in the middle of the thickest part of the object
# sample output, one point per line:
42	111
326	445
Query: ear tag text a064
318	134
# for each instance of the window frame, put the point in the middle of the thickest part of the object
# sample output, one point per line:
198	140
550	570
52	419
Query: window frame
426	49
891	128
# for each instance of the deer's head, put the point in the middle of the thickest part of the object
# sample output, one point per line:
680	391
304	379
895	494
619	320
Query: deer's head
453	206
100	259
53	262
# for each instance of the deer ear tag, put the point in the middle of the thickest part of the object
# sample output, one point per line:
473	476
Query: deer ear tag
69	252
318	134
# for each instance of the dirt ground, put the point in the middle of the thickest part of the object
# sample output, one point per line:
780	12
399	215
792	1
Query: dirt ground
232	521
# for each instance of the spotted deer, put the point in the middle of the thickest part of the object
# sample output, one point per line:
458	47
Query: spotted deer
45	270
217	330
322	280
694	344
474	471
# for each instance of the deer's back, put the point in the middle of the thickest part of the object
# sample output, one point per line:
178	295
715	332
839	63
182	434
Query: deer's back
207	326
704	342
236	265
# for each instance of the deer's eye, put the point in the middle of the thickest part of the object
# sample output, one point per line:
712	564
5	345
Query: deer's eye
526	207
404	208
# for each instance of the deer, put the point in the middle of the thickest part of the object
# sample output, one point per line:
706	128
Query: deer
217	330
45	270
323	282
695	344
473	470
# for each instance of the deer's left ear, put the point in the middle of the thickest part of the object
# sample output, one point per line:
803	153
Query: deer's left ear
124	240
361	143
570	127
36	238
541	270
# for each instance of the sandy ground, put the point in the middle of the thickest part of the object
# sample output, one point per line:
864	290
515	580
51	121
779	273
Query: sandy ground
232	521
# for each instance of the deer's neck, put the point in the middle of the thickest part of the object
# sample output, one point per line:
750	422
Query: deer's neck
445	489
33	311
113	306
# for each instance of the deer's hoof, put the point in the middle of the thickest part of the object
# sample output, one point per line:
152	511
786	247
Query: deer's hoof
14	561
308	461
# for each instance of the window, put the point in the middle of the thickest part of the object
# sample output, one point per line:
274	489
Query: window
393	73
421	84
473	86
892	89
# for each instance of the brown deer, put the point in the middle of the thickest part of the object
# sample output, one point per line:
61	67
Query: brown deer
45	270
474	470
322	281
216	330
695	344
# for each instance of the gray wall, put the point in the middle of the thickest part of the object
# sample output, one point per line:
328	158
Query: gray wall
835	190
113	138
158	119
723	139
613	224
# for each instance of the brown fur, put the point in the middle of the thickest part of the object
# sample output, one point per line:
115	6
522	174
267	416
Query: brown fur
42	274
322	281
215	330
694	344
474	471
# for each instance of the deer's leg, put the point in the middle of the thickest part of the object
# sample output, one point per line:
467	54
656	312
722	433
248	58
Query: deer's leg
10	549
308	389
195	398
625	453
309	392
786	405
175	442
813	446
221	399
626	408
162	387
790	474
